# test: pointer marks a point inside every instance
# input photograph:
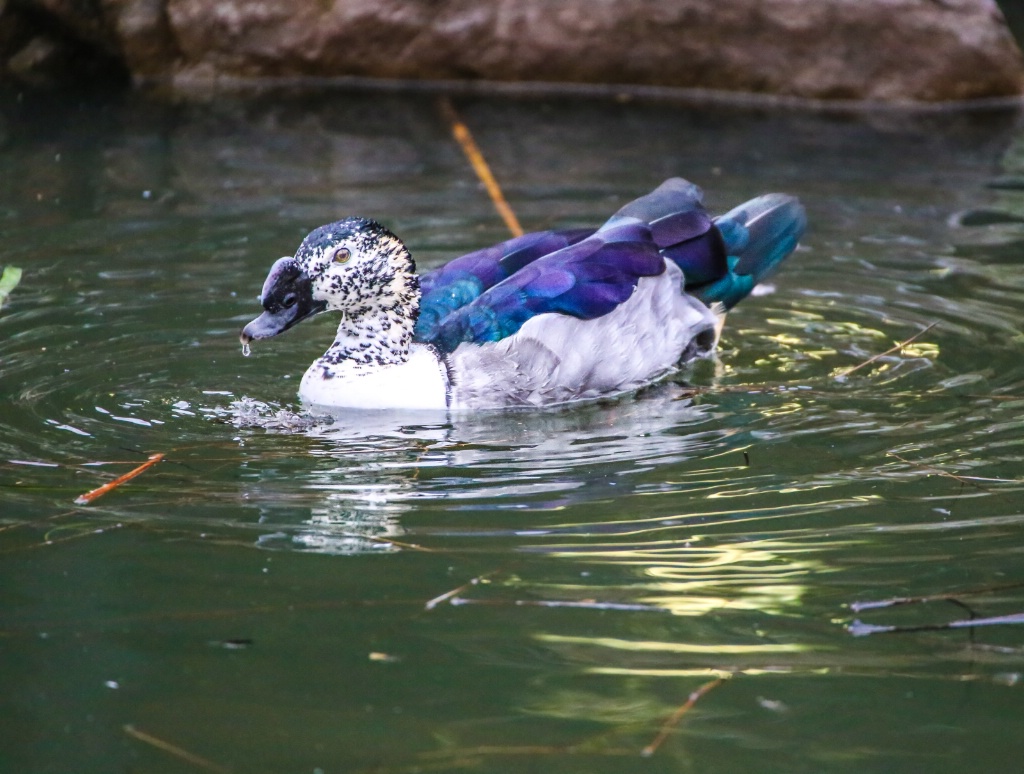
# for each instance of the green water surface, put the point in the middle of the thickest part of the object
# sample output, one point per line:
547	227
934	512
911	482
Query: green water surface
261	599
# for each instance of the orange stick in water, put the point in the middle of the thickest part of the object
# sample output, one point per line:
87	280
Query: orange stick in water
99	491
174	750
675	717
462	134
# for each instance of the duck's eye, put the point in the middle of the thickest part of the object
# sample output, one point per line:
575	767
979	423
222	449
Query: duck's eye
342	254
289	301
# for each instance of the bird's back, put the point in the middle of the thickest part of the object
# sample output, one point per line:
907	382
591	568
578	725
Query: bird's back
617	308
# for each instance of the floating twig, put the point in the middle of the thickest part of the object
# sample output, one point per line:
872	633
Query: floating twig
174	750
99	491
386	541
585	604
38	522
861	629
889	351
8	282
420	767
455	592
858	607
675	717
490	749
465	139
969	480
48	541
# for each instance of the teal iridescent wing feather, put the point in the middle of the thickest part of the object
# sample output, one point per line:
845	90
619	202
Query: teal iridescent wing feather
488	295
457	283
585	280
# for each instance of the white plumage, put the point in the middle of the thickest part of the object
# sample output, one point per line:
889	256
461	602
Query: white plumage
555	358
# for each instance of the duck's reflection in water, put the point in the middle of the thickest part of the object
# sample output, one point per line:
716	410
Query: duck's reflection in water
359	520
373	467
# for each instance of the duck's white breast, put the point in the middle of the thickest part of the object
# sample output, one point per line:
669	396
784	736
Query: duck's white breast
421	382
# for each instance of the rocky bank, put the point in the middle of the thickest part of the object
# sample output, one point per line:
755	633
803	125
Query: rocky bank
887	50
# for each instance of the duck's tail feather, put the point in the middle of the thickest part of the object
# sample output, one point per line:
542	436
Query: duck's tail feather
724	258
757	236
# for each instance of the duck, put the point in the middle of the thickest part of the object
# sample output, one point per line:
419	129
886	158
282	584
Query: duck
547	318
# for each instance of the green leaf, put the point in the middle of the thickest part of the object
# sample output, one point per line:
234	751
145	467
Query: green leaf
8	282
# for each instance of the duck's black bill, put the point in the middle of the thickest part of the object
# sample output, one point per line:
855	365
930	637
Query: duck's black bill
287	299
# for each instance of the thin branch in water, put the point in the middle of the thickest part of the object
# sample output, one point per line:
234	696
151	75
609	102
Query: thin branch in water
585	604
49	542
465	139
938	471
889	351
38	522
88	497
993	480
399	543
675	717
510	750
421	767
385	541
493	749
174	750
861	629
430	605
858	607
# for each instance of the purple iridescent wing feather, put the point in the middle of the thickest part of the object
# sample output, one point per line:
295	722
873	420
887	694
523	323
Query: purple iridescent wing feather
457	283
585	280
488	295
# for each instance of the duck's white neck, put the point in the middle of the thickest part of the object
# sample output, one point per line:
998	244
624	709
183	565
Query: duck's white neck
373	340
374	364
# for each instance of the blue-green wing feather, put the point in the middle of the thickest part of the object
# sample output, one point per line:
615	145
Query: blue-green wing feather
585	280
488	295
457	283
757	236
722	259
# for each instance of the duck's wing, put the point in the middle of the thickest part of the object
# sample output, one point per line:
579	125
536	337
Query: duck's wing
458	282
681	228
585	280
722	258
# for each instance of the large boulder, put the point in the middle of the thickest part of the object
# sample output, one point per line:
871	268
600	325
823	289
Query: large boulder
833	49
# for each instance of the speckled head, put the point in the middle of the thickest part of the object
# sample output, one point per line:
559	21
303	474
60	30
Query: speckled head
358	266
354	265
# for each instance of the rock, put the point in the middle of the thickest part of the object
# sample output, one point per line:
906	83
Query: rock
14	34
886	50
146	39
57	44
34	58
81	20
847	49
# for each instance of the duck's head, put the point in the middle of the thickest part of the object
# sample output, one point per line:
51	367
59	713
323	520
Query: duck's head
354	265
